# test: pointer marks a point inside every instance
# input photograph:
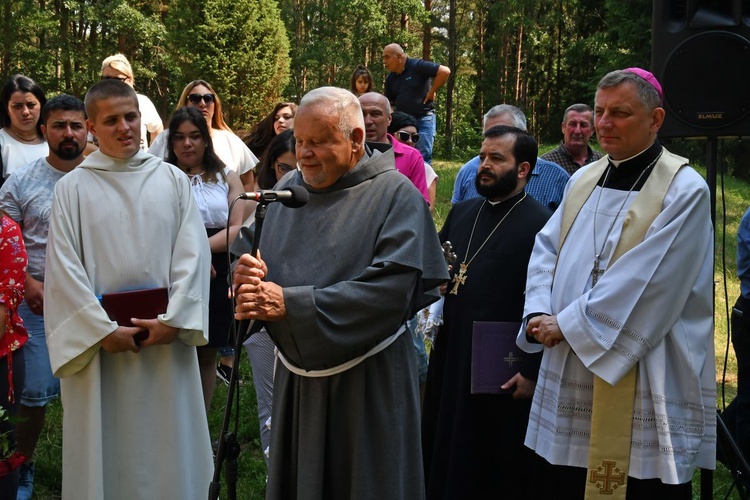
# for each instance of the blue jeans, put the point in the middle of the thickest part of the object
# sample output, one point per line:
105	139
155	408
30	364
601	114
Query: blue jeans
41	386
426	129
421	352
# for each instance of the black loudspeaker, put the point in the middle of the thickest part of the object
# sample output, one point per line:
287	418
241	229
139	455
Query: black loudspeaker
701	55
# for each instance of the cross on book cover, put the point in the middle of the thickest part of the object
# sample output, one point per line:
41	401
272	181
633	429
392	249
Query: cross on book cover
495	357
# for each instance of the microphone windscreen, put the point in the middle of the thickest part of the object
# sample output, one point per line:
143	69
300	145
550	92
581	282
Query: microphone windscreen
299	197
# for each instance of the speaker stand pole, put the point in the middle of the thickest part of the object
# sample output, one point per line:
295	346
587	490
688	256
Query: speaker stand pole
712	146
707	475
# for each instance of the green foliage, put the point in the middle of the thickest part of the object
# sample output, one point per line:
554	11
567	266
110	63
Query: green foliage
25	38
544	56
330	38
240	46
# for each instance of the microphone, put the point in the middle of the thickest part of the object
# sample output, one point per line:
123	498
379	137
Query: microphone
292	197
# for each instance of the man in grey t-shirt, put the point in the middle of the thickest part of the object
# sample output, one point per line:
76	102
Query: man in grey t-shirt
27	198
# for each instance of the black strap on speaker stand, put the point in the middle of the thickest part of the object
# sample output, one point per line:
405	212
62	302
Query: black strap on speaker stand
229	448
736	462
733	459
707	475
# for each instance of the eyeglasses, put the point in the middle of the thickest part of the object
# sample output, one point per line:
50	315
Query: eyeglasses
283	168
197	98
121	78
405	136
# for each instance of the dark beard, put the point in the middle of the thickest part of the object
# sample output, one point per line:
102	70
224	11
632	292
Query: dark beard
67	154
502	187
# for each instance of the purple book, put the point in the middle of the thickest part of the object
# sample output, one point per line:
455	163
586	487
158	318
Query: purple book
495	357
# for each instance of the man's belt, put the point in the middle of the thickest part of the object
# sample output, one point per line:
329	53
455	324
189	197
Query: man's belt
343	366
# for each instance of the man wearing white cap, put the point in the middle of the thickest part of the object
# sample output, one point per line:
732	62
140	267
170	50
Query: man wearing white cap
625	401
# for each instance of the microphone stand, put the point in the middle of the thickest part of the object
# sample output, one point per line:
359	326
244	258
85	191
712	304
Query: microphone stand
229	448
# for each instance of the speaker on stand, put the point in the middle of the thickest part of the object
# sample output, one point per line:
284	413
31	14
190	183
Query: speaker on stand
701	56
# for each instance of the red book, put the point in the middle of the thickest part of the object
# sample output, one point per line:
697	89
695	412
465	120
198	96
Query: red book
495	357
141	304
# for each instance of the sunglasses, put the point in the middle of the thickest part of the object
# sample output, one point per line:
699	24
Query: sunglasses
283	168
197	98
121	78
405	136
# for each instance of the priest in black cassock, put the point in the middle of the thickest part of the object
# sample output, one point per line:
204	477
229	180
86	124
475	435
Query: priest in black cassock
473	443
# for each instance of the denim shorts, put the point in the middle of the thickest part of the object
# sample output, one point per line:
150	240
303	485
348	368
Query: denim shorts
41	386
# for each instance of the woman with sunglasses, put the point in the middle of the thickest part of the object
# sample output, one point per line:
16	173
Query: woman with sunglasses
215	186
21	139
403	128
230	149
278	120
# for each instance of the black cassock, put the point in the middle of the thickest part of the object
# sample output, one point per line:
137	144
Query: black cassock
473	444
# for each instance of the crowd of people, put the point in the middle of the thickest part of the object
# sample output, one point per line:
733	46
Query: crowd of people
116	294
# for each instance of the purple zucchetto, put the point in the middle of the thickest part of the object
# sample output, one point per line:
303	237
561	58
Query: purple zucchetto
650	78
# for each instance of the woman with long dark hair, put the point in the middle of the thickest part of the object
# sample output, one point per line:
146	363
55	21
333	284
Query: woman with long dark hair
190	147
21	139
279	159
279	119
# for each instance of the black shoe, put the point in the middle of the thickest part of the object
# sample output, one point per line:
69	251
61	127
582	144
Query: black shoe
224	373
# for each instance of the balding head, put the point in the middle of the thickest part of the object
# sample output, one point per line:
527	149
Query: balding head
339	103
377	114
394	58
329	132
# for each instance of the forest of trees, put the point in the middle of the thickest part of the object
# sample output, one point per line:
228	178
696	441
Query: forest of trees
541	55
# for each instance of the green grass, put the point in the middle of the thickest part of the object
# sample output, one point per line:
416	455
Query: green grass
252	467
251	484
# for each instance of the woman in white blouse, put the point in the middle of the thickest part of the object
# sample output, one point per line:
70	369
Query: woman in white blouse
21	139
215	186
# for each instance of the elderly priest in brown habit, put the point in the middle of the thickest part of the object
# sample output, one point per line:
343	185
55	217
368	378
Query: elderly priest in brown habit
337	280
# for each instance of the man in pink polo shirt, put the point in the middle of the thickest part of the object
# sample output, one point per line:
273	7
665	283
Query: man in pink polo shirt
377	113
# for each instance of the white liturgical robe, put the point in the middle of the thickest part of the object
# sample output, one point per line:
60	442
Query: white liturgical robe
652	307
134	425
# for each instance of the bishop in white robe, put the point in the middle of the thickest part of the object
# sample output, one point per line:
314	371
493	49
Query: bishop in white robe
653	307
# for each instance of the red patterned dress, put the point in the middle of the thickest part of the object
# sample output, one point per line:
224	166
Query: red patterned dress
13	335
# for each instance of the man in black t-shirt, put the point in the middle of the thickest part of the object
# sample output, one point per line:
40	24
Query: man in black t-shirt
408	88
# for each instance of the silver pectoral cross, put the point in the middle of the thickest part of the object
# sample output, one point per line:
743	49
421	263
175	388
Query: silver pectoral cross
596	272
